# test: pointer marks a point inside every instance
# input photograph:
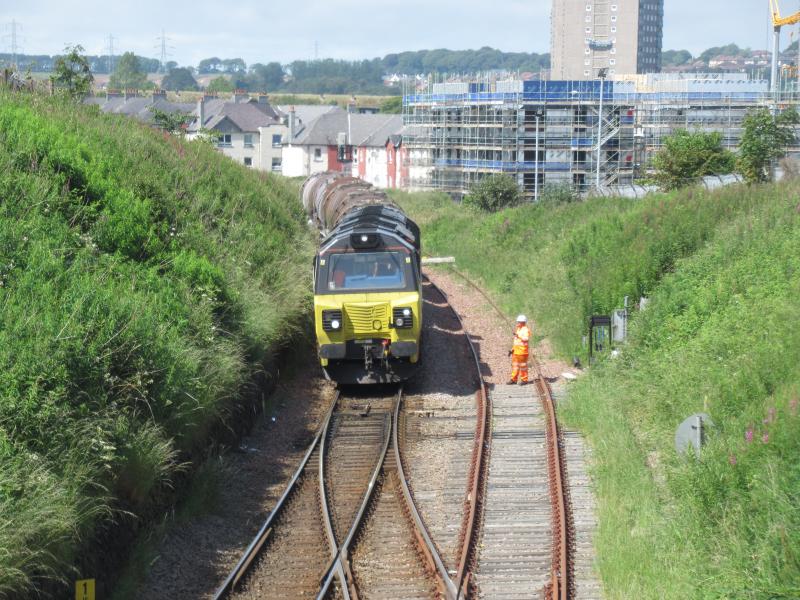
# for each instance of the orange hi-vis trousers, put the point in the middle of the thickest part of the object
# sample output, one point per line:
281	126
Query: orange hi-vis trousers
519	367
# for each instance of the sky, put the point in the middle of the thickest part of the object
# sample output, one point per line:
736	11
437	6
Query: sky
345	29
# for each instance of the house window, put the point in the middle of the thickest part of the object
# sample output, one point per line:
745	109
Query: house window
248	140
276	140
224	139
276	165
318	154
248	162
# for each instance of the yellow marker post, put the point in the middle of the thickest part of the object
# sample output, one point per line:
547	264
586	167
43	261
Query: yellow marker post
84	589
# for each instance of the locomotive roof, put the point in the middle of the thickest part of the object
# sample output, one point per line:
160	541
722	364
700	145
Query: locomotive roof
386	220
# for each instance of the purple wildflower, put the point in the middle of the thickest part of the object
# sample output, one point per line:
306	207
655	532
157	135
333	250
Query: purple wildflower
748	435
765	437
732	460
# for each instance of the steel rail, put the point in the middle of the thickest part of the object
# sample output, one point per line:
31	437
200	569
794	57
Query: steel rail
561	575
340	560
257	545
443	581
323	496
479	461
560	570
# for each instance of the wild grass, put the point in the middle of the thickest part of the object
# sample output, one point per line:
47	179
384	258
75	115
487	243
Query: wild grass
143	280
721	334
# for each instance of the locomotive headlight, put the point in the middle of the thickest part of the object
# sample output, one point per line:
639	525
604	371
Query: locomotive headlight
364	238
403	317
332	320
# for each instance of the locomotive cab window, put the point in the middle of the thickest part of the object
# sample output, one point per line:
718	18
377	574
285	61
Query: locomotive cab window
367	271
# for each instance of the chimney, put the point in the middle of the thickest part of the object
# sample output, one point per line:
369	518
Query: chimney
201	113
263	99
240	96
292	124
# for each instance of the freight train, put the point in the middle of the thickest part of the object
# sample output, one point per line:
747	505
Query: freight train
367	282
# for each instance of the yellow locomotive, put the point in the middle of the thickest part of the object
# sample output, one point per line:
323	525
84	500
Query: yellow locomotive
367	282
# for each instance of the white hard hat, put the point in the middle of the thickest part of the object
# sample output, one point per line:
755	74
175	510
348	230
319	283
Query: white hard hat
522	319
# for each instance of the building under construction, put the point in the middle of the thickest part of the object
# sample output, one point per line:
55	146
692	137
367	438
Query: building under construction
592	135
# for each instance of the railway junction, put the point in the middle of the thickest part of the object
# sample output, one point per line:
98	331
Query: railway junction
450	486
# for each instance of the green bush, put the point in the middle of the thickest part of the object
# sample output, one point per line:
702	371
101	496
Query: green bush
555	194
144	280
688	156
494	193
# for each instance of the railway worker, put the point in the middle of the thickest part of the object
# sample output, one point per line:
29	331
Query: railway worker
519	353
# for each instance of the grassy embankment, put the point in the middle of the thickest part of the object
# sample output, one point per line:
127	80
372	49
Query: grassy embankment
722	332
145	283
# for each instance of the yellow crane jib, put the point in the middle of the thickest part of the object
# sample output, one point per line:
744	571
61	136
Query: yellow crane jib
778	20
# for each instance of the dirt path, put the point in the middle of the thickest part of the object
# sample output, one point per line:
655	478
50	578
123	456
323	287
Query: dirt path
492	335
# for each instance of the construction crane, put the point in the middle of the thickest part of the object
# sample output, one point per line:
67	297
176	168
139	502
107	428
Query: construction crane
777	22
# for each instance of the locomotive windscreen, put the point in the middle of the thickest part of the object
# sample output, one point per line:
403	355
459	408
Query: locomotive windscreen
366	272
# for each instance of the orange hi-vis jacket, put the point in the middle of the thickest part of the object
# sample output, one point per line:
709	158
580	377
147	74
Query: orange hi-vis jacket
521	337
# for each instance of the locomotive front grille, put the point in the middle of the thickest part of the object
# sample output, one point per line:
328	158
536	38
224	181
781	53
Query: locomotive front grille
366	319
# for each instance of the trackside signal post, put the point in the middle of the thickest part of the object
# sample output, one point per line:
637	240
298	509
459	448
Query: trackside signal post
599	333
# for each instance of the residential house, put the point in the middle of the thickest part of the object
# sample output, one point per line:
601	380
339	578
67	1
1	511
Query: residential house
142	108
248	130
374	156
349	142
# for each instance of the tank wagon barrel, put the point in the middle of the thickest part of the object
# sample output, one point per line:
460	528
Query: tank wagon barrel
328	197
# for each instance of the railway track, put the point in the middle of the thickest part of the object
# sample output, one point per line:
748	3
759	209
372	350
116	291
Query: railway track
527	530
348	525
444	434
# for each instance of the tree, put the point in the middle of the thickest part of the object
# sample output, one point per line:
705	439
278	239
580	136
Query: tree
688	156
72	72
234	65
128	75
267	77
171	122
392	106
765	139
675	58
728	50
220	84
210	65
179	79
494	193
